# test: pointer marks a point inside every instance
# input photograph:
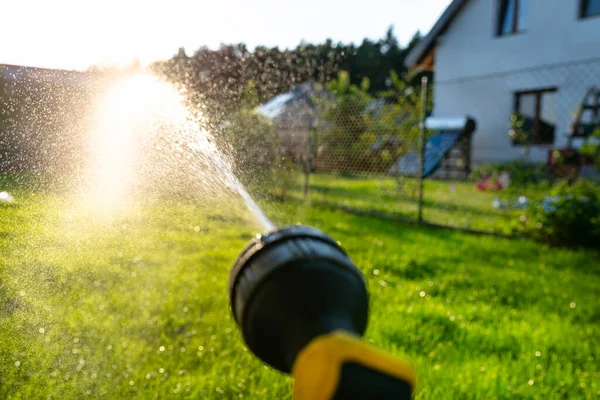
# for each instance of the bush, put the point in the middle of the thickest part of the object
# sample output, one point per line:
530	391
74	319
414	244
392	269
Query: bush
521	173
569	217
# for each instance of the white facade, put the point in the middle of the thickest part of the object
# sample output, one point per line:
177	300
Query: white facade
477	72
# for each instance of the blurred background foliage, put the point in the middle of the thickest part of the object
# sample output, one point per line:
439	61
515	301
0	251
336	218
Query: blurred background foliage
217	78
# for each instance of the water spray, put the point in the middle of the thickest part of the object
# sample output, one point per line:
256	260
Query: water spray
302	306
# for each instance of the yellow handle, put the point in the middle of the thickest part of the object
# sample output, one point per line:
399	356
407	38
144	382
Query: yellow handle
317	369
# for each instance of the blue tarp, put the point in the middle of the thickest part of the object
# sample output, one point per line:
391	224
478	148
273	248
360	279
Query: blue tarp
436	149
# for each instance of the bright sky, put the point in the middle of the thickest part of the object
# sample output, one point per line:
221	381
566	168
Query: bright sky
75	34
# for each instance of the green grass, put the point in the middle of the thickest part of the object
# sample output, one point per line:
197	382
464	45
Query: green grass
136	305
462	206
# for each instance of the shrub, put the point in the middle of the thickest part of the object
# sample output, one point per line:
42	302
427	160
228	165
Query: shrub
569	217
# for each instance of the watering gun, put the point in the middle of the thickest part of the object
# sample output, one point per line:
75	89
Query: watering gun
302	306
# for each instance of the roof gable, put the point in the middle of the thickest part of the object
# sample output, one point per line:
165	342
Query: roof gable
424	48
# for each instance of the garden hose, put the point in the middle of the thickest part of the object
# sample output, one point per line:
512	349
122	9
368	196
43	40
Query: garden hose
302	307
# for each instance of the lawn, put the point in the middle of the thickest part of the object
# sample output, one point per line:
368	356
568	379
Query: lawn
135	305
455	204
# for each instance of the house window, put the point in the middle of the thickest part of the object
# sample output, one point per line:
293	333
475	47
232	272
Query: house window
513	16
536	110
589	8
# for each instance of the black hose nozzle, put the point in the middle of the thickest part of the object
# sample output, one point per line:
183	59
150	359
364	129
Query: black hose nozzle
291	286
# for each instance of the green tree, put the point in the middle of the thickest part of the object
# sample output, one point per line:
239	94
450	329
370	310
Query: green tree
344	124
360	132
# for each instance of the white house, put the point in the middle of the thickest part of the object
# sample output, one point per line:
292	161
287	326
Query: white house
495	57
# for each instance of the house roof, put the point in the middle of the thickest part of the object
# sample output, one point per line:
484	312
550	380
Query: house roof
275	107
292	109
424	48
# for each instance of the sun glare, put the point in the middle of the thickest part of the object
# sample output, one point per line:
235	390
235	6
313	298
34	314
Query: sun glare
127	120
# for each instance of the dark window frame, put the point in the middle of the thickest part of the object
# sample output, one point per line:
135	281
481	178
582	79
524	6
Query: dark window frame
500	15
535	140
582	7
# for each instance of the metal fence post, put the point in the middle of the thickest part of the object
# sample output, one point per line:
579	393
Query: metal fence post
307	165
422	134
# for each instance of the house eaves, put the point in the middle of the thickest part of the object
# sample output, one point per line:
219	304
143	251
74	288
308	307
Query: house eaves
423	51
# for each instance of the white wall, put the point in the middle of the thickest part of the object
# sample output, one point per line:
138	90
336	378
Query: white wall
490	101
477	73
470	47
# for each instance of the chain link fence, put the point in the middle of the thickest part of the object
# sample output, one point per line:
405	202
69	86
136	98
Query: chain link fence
346	150
370	156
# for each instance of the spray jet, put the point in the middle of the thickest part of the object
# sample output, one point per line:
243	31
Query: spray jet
302	307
